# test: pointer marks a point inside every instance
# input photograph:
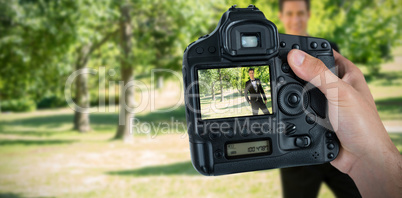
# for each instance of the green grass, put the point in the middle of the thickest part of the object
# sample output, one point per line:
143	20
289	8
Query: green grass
390	108
53	161
386	87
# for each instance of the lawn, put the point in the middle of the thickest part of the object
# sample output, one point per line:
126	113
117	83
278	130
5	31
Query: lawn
41	156
387	88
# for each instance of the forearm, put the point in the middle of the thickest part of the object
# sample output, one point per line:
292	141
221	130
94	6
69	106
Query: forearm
379	175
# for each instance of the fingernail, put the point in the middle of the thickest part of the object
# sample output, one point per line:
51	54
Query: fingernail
298	57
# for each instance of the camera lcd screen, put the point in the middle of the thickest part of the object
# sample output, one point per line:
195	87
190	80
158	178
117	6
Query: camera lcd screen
234	92
248	148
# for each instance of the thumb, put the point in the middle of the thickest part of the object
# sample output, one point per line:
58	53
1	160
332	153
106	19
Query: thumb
314	71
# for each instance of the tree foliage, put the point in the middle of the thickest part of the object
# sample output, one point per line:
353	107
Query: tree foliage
39	39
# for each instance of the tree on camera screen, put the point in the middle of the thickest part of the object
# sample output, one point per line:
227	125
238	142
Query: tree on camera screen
234	92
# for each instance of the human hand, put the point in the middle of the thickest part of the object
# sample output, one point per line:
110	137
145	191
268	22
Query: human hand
367	153
265	101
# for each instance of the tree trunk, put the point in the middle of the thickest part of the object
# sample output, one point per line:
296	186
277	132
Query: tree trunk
160	82
127	92
81	119
213	91
220	80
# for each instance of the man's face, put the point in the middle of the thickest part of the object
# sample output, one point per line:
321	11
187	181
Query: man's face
251	74
295	16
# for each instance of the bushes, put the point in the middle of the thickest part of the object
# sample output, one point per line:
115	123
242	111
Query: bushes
18	105
27	104
51	102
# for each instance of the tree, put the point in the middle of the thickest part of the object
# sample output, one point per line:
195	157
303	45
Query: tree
91	31
364	30
34	43
127	92
48	32
220	81
81	119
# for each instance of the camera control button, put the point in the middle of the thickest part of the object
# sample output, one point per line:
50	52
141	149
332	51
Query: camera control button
229	133
199	50
303	141
244	133
218	154
293	99
330	146
324	45
329	135
211	49
266	128
285	67
214	135
314	45
281	79
290	129
310	118
295	46
330	155
282	44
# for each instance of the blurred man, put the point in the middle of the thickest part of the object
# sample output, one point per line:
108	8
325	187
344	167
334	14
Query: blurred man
305	181
254	87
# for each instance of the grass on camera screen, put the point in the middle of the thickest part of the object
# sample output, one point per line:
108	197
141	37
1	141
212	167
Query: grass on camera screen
223	92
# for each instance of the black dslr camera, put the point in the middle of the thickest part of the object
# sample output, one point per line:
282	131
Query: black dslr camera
245	108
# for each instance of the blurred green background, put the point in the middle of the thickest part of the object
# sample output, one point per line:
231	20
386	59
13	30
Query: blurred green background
48	150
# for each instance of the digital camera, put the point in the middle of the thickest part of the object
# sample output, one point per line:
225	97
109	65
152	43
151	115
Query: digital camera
245	108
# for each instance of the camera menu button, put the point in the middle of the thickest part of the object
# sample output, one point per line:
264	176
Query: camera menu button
285	68
218	154
229	133
310	118
199	50
244	132
281	79
330	146
214	135
211	49
282	44
314	45
295	46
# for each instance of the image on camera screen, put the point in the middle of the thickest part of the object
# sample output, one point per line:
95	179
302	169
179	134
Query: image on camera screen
234	92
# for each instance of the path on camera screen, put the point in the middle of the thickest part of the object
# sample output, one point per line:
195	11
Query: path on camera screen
234	104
